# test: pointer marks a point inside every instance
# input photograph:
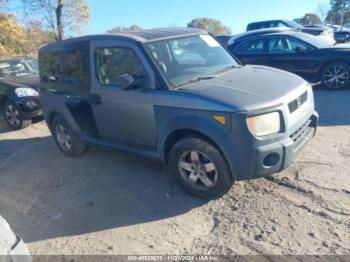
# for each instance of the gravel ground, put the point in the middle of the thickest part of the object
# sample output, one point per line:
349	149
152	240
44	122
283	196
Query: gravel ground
109	202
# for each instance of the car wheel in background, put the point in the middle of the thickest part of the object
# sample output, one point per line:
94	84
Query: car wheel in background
13	116
67	141
200	168
336	76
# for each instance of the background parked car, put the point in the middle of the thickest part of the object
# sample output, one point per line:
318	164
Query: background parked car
12	247
316	30
303	54
19	98
222	39
342	34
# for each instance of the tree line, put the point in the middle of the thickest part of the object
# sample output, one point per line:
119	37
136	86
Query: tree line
43	21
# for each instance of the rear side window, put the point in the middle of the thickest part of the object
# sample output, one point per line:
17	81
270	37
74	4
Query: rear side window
50	67
111	63
76	58
285	45
255	46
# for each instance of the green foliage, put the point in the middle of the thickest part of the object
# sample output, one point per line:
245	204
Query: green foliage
13	40
16	39
212	26
309	19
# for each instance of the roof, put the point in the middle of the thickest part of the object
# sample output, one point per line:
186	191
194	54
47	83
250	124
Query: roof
263	31
137	36
269	21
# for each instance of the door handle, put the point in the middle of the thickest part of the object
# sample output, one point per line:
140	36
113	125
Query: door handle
95	99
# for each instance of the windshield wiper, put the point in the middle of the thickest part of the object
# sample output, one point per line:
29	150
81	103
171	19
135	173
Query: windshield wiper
200	78
227	68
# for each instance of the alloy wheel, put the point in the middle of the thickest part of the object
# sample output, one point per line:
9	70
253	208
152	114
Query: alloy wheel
336	76
12	115
198	170
63	137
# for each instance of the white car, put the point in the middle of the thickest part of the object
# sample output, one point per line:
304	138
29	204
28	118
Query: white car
12	247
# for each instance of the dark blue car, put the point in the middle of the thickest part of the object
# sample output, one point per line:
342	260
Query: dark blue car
310	57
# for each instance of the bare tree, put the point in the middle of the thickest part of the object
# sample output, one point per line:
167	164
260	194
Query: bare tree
59	15
322	11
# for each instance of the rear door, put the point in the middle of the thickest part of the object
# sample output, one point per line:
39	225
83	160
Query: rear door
252	51
123	117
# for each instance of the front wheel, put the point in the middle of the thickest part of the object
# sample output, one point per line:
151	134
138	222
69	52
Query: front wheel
14	117
336	76
200	168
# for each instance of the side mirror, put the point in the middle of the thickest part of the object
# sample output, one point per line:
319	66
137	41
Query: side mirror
301	50
129	82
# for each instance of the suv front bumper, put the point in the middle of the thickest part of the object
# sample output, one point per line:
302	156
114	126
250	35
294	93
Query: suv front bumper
251	161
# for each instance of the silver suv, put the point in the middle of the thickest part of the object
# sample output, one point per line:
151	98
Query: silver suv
177	96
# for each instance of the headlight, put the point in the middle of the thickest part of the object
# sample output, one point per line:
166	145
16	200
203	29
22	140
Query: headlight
264	125
26	91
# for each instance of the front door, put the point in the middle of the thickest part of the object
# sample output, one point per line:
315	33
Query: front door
292	55
123	117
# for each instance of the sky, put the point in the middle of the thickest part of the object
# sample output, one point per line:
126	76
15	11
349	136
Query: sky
106	14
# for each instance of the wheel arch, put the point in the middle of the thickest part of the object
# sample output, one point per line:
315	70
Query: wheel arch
3	98
338	60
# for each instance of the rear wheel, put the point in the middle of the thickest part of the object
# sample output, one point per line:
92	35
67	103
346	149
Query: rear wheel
67	141
13	116
336	76
200	168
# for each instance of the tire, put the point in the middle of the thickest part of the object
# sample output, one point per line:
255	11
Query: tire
193	161
67	141
335	76
13	116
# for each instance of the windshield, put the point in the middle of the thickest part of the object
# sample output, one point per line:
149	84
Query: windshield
317	42
11	69
187	59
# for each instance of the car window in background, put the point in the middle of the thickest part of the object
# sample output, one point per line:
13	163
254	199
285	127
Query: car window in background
255	46
285	45
280	24
111	63
186	59
15	69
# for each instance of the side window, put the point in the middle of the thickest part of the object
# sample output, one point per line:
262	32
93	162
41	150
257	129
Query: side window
50	67
284	45
111	63
255	46
77	70
280	24
278	45
295	44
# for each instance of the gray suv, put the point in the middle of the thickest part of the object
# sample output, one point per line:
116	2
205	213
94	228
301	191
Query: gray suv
177	96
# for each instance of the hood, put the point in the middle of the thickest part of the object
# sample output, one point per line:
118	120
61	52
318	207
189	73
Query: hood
249	87
27	81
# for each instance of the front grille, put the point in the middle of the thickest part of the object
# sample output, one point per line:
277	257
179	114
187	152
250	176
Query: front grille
300	132
297	103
